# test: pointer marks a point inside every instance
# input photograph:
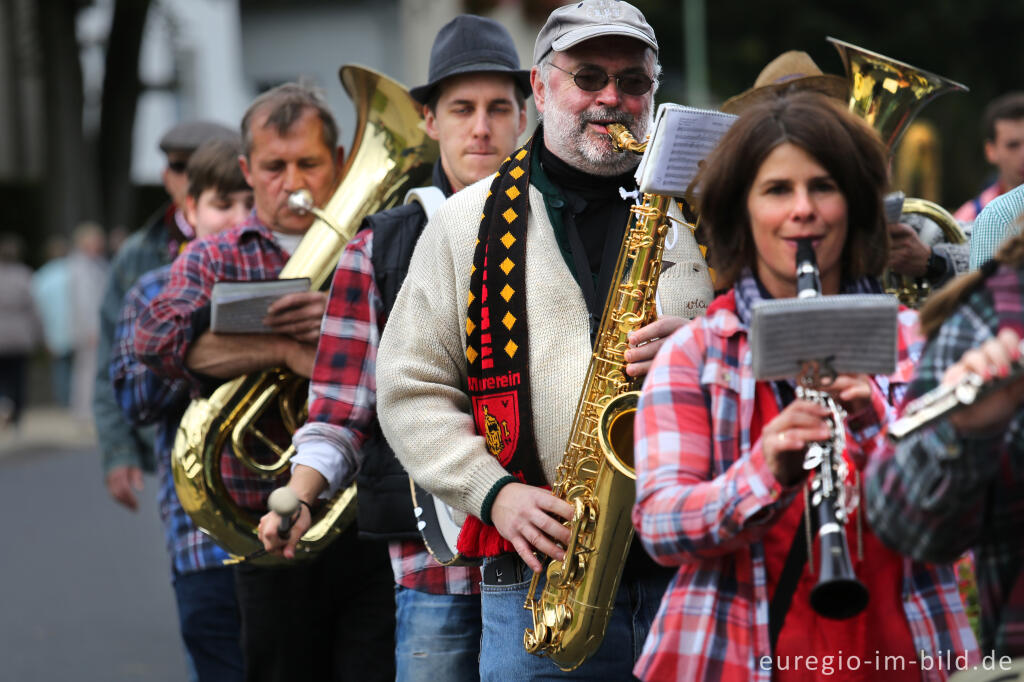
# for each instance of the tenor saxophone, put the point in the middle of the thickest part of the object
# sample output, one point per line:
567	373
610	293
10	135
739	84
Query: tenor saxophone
596	473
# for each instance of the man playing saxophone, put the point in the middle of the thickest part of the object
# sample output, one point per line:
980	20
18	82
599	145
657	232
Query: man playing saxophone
301	621
507	327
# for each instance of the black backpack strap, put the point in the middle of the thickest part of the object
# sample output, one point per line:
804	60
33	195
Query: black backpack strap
786	587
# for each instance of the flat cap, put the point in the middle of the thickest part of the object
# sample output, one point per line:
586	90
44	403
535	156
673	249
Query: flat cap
189	135
572	24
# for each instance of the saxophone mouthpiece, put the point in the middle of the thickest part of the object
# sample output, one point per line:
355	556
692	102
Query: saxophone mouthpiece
623	140
301	201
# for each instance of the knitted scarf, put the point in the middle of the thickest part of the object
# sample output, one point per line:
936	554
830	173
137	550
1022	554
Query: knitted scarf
497	340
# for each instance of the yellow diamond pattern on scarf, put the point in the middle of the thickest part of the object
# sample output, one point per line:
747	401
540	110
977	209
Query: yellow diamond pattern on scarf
470	354
516	173
511	348
471	298
507	239
512	192
508	321
509	215
469	326
506	266
521	154
507	293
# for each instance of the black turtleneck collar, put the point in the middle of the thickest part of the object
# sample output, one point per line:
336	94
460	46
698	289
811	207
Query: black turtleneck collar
585	184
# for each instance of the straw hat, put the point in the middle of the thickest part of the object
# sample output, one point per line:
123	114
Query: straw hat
793	69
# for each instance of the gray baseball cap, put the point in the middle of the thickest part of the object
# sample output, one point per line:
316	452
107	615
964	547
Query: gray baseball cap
188	136
472	44
572	24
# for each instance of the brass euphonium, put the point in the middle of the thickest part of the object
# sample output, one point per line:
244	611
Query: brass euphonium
888	95
391	153
596	474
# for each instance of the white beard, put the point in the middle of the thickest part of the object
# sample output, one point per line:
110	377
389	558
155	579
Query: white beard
567	137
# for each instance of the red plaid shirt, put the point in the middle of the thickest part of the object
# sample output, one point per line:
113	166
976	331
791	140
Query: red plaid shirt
705	496
180	313
344	402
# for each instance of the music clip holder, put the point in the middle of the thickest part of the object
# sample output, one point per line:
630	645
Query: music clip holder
815	339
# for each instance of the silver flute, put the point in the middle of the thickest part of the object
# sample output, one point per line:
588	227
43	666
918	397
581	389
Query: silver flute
943	401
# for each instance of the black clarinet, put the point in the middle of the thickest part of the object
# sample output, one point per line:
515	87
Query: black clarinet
838	594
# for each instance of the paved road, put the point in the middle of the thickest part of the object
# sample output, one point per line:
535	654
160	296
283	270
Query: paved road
84	588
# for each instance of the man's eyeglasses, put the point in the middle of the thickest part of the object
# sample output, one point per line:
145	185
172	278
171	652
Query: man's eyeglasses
592	79
177	166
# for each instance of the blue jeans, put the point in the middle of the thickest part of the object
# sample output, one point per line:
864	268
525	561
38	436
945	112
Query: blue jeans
502	656
437	636
210	624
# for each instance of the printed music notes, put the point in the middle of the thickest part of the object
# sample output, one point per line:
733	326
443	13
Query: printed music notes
683	137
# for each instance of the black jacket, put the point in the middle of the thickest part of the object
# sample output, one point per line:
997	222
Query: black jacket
384	498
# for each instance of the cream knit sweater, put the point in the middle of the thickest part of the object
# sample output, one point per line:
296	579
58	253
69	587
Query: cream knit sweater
422	403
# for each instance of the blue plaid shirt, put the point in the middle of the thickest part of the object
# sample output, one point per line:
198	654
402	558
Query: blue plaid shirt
147	398
937	494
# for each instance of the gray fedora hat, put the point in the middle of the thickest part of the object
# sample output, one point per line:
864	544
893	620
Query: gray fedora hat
472	44
573	24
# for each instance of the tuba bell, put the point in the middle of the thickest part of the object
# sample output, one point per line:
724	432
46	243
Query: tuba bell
888	94
391	153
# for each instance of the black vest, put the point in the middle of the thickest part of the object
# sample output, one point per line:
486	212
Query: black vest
384	498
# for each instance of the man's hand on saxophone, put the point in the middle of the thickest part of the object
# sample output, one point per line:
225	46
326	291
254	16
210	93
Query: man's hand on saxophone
645	342
525	515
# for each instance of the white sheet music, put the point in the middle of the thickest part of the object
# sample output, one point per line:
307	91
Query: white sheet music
239	307
683	137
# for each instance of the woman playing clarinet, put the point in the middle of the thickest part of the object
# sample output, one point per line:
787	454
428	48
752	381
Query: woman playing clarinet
722	491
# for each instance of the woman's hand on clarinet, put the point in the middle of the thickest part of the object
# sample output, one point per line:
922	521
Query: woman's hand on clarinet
645	342
785	438
852	392
991	361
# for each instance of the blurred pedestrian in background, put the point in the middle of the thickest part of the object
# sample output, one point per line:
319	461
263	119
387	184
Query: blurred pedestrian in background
87	270
51	289
20	330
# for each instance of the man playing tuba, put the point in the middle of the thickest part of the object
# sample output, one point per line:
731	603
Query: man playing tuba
511	323
301	621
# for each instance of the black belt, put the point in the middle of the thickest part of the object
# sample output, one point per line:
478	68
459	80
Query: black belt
504	569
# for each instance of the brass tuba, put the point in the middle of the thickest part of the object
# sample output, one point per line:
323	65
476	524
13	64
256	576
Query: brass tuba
888	94
596	474
391	153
